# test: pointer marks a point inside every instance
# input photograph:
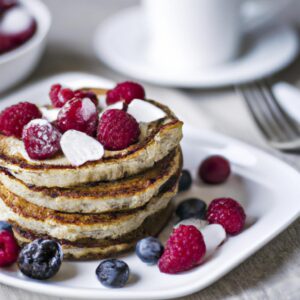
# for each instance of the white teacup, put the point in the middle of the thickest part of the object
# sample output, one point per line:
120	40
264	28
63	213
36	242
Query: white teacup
193	33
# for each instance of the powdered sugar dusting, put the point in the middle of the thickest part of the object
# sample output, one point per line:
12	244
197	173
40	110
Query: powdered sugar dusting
79	147
16	20
88	108
41	139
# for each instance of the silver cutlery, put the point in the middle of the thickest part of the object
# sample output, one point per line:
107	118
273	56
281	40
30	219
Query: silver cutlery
280	130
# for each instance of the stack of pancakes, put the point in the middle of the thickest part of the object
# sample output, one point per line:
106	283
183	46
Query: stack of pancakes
101	207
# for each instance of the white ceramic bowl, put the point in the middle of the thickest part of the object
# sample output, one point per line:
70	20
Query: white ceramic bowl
17	64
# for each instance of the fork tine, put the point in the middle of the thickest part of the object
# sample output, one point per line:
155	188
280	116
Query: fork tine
280	130
283	130
264	120
283	117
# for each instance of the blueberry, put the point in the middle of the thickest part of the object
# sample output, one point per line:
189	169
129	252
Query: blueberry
149	250
113	273
191	208
185	181
41	259
5	226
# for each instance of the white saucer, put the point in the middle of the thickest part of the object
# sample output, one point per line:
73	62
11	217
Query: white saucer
120	42
259	181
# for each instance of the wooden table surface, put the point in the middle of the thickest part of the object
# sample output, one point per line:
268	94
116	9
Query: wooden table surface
271	273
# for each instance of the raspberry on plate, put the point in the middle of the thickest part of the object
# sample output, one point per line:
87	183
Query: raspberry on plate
228	213
214	169
117	130
15	117
41	139
78	114
184	250
9	248
60	95
86	94
125	91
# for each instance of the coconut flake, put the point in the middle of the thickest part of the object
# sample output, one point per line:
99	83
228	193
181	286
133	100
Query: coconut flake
49	114
199	224
102	101
144	111
88	108
117	105
16	20
214	235
79	147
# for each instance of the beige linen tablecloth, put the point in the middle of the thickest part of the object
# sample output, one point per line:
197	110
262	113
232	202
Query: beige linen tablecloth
271	273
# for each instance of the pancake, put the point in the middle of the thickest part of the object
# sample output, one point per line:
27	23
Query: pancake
124	194
157	140
75	226
93	249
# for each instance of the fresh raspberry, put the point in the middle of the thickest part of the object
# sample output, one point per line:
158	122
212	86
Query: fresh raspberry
125	91
6	4
9	248
60	95
86	94
78	114
15	117
41	139
214	169
13	33
228	213
184	250
117	130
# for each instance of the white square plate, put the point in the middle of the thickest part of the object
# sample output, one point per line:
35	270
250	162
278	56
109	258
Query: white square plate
267	188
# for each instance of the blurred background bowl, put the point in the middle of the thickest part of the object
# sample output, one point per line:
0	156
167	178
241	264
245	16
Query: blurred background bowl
17	64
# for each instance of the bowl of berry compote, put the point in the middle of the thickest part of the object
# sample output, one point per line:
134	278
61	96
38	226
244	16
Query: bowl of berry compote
24	25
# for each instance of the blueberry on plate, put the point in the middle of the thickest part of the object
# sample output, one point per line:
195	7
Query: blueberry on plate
191	208
5	226
41	259
185	181
113	273
149	250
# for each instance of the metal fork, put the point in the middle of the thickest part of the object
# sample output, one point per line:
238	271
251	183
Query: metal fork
279	129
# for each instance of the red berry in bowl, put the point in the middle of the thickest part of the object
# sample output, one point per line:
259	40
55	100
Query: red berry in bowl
16	27
41	139
6	4
15	117
125	91
59	95
184	250
78	114
214	169
117	130
86	94
9	249
228	213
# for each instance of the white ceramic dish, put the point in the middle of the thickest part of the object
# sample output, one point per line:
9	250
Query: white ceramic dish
267	188
17	64
121	43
